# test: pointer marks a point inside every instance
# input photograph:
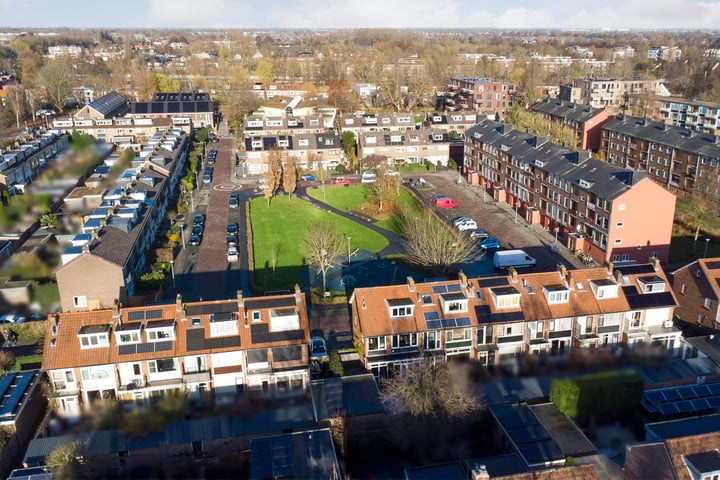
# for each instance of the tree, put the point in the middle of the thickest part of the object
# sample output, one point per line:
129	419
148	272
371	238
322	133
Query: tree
58	79
289	177
273	175
704	201
49	220
264	72
430	389
341	96
7	360
166	84
322	245
385	187
65	458
431	245
15	97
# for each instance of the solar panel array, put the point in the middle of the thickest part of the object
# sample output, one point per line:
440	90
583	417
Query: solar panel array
17	391
144	315
434	322
712	265
149	347
685	399
453	287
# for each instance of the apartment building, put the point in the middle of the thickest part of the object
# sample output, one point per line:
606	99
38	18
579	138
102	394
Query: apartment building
308	151
584	120
484	95
688	113
122	131
457	122
697	290
658	53
101	263
496	319
215	351
382	122
261	126
406	147
196	107
671	156
591	205
609	93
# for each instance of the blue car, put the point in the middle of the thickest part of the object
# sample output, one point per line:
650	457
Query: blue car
490	242
307	177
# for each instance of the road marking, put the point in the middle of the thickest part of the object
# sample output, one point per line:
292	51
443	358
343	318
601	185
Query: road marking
227	187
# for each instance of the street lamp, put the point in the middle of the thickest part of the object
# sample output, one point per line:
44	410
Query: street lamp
516	212
348	239
172	271
707	242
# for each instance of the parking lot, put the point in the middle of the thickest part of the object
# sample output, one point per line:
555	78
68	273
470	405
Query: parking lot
498	220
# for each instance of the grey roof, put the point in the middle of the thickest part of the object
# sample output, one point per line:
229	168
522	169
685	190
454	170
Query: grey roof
300	455
699	143
174	103
315	141
685	427
606	180
569	110
648	460
352	395
110	105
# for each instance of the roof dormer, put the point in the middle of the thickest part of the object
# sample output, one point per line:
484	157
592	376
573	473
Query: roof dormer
651	284
604	288
556	293
159	331
94	336
505	296
400	307
455	302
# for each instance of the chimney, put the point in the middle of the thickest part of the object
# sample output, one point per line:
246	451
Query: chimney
618	276
463	278
178	302
655	262
562	270
513	274
239	296
480	473
86	248
298	293
569	279
411	284
610	267
116	310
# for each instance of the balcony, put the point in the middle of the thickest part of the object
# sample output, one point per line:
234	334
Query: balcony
510	339
609	329
196	377
560	334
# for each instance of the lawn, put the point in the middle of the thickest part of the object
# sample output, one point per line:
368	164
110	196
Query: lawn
283	225
354	196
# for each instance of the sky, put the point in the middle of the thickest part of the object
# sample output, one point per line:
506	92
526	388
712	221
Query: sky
258	14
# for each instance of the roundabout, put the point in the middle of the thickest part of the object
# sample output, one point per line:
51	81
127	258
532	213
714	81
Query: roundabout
227	187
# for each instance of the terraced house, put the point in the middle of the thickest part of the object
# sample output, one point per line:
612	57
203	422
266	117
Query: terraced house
496	319
308	151
584	120
406	147
591	205
216	352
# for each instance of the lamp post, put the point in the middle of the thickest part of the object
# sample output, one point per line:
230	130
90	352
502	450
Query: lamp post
172	271
516	212
348	239
707	242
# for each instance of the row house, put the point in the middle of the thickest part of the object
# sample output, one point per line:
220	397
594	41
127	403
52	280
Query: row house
20	166
484	95
448	122
409	147
688	113
584	120
496	319
697	288
272	90
671	156
214	351
610	93
381	122
308	151
261	126
589	204
195	107
121	131
100	264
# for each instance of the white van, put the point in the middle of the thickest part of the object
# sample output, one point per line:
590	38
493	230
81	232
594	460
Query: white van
513	258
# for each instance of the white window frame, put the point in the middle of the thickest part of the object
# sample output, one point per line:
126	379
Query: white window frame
80	301
381	344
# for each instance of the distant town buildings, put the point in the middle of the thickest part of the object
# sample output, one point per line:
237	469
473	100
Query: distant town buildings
611	93
663	52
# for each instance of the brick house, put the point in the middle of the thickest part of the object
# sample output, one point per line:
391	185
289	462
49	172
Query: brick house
307	150
584	121
696	288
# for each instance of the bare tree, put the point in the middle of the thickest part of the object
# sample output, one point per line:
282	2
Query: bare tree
703	202
431	389
272	175
384	189
58	79
323	245
290	177
431	245
16	98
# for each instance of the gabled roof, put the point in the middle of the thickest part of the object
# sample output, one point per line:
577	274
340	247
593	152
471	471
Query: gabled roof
110	105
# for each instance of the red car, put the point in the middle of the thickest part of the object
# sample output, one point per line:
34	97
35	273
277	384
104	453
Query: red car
446	202
342	181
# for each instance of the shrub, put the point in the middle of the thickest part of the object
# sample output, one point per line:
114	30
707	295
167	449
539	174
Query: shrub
336	365
606	394
340	169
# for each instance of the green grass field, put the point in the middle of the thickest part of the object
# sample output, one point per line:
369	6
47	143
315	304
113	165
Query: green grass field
283	225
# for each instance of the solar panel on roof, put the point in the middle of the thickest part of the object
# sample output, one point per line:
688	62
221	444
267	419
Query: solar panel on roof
439	289
431	315
714	402
163	346
667	408
463	322
671	395
145	348
686	393
493	282
712	265
454	287
136	315
448	323
5	384
153	314
655	396
700	404
684	406
714	388
701	390
433	324
127	349
9	405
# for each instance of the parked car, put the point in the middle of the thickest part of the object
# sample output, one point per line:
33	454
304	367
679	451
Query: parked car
477	233
199	219
488	243
307	177
211	159
232	229
207	178
11	318
462	219
232	254
234	202
466	225
446	202
194	240
232	240
197	230
342	181
368	177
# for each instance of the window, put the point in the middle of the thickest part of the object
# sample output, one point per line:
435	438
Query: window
127	337
432	340
635	320
94	340
160	334
401	311
618	241
708	303
61	379
255	316
162	365
376	344
427	300
458	334
80	302
404	340
619	224
136	369
683	289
